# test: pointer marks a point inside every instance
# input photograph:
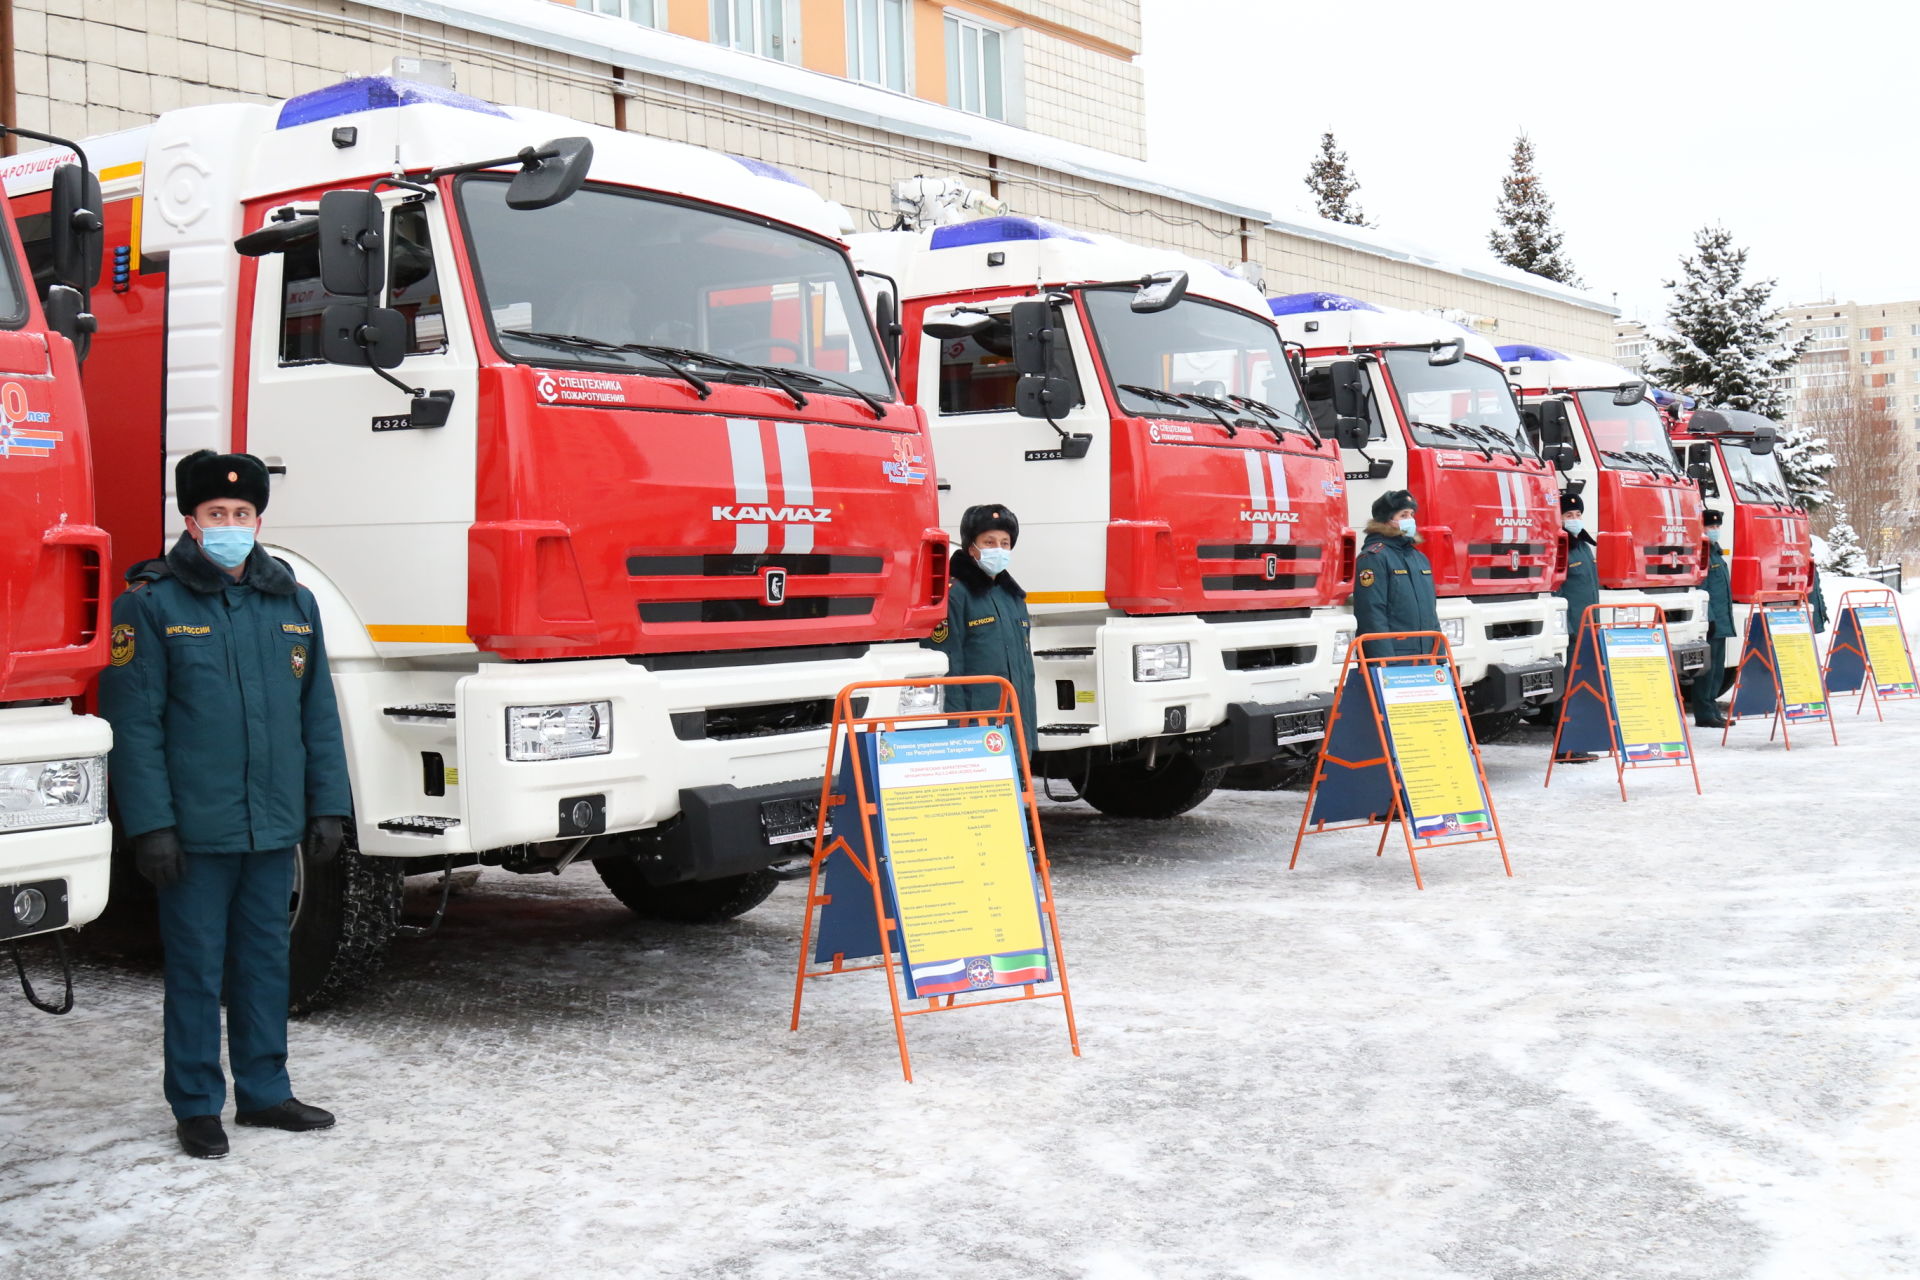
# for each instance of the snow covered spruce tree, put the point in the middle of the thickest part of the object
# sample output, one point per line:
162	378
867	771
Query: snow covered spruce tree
1844	555
1526	237
1333	185
1729	346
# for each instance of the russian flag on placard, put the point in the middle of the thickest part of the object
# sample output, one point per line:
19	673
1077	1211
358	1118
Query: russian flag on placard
1020	968
940	979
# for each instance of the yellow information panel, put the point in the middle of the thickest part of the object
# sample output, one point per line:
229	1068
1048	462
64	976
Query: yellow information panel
955	835
1886	648
1429	742
1801	690
1645	706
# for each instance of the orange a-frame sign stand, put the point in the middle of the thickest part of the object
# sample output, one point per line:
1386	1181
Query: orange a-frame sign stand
1851	643
1349	729
1594	679
862	808
1766	658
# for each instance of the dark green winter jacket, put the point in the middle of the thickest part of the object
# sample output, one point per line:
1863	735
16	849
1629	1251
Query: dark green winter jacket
1719	585
986	634
224	722
1581	590
1393	591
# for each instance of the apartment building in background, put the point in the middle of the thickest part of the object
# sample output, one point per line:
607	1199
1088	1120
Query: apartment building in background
1041	103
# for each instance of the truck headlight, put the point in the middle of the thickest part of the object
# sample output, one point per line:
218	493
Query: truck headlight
1556	622
560	732
53	793
1341	639
1454	629
1162	661
920	697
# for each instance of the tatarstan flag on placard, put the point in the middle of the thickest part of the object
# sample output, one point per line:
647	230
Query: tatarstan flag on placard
1019	969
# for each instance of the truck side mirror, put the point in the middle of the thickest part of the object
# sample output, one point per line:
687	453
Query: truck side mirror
1159	291
1347	383
1564	457
1040	393
357	334
551	172
1700	467
1763	441
78	231
887	319
351	261
1630	393
1447	351
1556	428
67	315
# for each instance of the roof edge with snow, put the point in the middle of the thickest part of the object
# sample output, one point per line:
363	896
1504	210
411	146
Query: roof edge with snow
601	38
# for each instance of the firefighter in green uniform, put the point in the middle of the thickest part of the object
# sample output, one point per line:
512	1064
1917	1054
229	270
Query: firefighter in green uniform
1581	590
985	630
226	755
1393	582
1706	685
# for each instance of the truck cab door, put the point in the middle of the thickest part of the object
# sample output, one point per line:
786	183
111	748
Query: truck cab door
985	451
380	505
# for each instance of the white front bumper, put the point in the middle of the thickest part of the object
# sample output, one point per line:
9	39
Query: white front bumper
1486	645
79	855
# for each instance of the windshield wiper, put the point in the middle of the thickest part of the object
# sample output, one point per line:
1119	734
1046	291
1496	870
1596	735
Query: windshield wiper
1655	461
807	375
578	342
1177	398
1625	457
690	356
1274	414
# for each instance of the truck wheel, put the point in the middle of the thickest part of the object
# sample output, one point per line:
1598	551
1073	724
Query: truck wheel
1492	726
343	918
1167	790
690	901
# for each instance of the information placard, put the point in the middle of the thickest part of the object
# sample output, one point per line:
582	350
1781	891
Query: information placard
954	836
1440	785
1886	650
1640	685
1801	691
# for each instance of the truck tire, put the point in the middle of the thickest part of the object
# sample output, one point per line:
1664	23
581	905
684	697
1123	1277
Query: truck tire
1167	790
689	901
1491	726
344	914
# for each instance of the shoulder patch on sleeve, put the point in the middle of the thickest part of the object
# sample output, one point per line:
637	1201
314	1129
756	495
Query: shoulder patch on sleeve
1366	577
120	644
941	631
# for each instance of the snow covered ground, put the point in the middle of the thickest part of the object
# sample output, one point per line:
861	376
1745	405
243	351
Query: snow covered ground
1684	1040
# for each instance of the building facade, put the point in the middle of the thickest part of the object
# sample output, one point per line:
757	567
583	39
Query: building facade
1039	102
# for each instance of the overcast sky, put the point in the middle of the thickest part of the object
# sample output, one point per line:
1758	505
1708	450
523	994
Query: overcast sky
1796	126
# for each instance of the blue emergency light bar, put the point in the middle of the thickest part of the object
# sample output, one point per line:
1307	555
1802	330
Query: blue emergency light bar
1528	351
1300	304
1666	399
761	168
999	231
374	93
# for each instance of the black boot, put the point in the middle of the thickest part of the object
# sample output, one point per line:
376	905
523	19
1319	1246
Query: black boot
1709	719
202	1137
292	1115
1576	757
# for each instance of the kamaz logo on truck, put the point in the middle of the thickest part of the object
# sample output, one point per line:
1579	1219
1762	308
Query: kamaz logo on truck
1270	517
775	515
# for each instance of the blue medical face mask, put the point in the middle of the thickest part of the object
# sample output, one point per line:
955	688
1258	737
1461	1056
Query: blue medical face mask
1407	525
1574	527
995	560
1713	536
227	545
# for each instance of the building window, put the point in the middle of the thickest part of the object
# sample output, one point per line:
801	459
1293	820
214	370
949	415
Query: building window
1913	331
976	68
877	43
1873	335
756	26
644	12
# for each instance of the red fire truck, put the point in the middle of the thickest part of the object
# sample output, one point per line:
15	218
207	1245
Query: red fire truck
585	444
54	836
1439	420
1768	545
1642	507
1183	522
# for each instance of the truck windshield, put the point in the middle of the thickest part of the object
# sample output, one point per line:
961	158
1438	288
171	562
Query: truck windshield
1192	353
1628	437
1463	405
609	269
1756	476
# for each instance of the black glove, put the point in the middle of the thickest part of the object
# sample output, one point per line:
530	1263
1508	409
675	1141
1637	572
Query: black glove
324	838
158	857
